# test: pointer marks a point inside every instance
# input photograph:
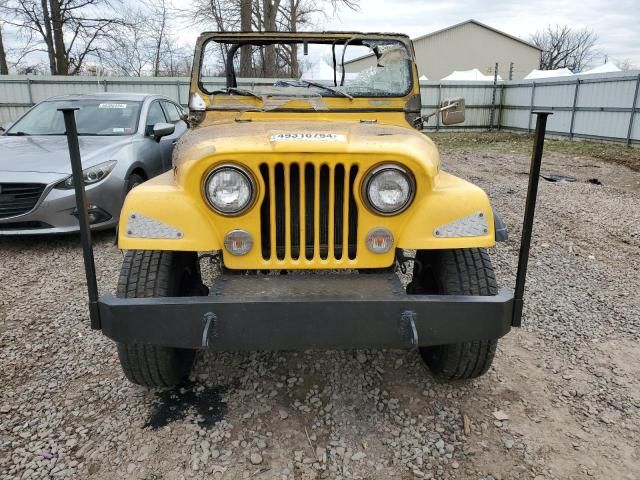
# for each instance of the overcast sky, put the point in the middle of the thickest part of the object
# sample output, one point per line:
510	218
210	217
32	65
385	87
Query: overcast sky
617	23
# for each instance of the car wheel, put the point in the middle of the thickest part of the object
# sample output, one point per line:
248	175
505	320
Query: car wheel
456	272
133	181
147	273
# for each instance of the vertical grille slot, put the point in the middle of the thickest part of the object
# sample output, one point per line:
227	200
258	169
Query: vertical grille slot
279	224
324	212
353	215
309	185
309	211
294	201
265	208
339	214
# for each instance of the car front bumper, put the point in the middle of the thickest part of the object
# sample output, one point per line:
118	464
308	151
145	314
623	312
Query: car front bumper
289	312
54	212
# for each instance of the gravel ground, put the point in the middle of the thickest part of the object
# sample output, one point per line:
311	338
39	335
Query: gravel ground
561	401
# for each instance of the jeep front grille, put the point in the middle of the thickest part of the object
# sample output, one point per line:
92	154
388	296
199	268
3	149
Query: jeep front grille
19	198
308	212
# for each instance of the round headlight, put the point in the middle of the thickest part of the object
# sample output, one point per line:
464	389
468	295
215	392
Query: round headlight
388	189
229	190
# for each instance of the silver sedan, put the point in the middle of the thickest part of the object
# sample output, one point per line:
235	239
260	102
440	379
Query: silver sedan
124	139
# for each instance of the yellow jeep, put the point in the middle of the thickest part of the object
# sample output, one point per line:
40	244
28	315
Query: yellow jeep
308	197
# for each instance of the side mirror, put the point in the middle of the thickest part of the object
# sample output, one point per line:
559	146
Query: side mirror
162	130
452	111
4	127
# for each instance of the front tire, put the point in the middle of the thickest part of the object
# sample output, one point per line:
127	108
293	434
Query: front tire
133	181
456	272
147	273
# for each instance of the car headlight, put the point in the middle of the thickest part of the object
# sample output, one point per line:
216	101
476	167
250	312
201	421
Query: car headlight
229	189
90	175
388	189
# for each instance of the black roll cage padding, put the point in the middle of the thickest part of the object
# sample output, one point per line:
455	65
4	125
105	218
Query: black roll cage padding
333	56
231	73
344	50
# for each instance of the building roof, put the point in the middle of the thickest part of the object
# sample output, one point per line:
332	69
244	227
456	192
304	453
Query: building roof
480	24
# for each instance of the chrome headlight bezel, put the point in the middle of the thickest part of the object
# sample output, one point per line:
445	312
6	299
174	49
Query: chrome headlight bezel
378	169
244	172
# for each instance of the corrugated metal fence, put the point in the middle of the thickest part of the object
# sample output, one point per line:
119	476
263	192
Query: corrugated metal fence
602	107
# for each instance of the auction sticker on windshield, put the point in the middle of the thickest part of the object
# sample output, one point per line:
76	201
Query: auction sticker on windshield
316	137
112	105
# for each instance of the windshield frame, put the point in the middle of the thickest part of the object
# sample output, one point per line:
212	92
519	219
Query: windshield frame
342	39
13	131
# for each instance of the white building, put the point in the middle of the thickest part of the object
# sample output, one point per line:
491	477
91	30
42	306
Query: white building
466	46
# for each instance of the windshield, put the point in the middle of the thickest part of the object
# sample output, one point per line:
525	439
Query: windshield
95	117
349	67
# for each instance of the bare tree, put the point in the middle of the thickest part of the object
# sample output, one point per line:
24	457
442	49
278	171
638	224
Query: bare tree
565	47
265	15
157	25
4	68
133	54
246	11
147	45
69	30
625	64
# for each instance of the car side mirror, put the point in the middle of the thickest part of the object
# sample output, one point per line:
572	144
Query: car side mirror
452	111
4	127
162	130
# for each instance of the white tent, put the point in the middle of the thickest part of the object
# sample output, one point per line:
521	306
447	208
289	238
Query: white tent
605	68
423	77
470	75
320	70
560	72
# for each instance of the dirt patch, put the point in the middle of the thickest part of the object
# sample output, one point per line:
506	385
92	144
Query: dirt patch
520	143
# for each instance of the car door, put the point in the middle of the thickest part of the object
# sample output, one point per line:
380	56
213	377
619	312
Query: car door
173	113
155	152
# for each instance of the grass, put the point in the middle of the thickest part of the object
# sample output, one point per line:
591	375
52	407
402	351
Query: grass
508	142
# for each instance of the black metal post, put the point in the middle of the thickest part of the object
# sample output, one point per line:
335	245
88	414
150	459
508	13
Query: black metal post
529	213
493	97
573	108
633	111
83	215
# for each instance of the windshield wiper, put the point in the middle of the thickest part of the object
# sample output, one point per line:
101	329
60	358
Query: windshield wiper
329	89
18	134
239	91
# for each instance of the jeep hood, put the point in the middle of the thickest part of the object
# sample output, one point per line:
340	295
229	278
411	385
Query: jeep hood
312	136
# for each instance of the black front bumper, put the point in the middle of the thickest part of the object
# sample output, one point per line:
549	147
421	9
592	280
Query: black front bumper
294	312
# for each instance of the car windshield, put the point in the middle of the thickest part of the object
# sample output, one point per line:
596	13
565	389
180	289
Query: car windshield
343	67
94	117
